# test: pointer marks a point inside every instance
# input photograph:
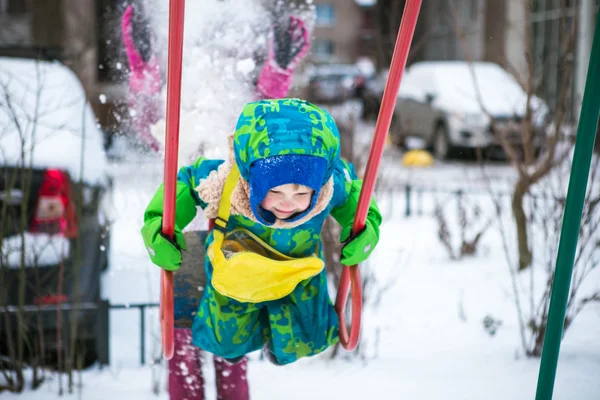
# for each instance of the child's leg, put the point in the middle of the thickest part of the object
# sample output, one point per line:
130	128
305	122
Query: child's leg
231	380
303	323
226	327
185	368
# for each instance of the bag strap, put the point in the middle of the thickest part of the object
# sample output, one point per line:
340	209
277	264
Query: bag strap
225	204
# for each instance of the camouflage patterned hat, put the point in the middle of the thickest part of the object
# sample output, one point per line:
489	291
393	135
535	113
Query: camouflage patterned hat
284	141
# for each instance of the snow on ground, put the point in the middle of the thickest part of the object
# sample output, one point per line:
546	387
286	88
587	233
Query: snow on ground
424	340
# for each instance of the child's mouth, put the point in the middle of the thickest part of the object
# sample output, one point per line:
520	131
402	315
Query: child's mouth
283	212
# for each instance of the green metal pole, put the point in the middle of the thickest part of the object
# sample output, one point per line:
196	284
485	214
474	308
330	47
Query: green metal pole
584	144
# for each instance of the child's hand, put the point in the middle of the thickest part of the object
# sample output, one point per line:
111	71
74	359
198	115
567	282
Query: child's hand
290	43
358	248
163	251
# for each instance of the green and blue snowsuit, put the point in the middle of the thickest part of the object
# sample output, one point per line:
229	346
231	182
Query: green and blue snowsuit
304	323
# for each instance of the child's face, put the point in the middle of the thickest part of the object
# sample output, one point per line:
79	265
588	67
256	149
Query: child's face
286	200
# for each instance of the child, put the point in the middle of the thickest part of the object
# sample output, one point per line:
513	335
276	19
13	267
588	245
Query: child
291	179
144	75
289	45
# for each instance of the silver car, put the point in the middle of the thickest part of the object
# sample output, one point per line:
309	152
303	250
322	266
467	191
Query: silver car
456	104
334	83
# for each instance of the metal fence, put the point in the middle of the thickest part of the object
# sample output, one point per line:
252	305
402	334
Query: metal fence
102	309
407	199
410	197
142	309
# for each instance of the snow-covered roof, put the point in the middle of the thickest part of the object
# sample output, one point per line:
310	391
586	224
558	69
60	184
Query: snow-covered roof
45	113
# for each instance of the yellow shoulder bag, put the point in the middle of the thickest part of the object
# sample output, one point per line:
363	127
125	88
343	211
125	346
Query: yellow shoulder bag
246	268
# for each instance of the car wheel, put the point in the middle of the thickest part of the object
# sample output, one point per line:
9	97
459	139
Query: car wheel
441	143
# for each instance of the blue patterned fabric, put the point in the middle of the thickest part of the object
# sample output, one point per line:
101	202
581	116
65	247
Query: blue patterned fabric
303	323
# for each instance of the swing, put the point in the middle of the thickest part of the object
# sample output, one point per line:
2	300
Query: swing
181	291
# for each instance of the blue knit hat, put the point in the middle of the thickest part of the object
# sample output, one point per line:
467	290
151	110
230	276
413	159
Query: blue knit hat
270	172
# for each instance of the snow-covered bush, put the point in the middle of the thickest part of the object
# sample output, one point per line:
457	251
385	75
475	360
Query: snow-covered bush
471	222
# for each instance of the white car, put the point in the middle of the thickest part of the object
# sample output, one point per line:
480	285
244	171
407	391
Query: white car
456	104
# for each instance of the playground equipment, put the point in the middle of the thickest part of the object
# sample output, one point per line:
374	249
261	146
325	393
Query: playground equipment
580	171
181	294
178	305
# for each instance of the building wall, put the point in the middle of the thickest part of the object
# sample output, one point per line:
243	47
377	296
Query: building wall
588	12
344	33
445	24
515	42
494	20
81	41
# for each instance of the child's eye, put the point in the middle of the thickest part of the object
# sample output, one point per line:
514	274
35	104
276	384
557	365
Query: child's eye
274	191
303	194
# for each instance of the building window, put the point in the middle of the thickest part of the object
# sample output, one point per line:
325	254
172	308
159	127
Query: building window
323	48
13	7
325	14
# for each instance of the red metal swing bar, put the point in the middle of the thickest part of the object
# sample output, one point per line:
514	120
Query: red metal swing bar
176	14
350	279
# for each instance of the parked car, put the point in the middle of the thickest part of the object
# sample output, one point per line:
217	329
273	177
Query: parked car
457	104
54	231
334	83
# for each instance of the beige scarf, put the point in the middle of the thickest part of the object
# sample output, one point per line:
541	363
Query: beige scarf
210	190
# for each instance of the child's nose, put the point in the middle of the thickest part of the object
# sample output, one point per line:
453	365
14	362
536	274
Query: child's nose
287	203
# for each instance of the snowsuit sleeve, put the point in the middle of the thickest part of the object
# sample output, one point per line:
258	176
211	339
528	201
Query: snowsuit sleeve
186	197
347	188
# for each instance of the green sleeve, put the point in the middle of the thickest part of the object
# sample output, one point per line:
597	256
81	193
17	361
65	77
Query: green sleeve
186	197
191	175
185	205
344	213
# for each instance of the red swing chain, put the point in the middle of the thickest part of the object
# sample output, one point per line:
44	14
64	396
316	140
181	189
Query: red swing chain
351	275
176	14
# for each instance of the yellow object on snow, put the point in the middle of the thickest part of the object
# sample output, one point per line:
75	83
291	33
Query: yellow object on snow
247	269
417	158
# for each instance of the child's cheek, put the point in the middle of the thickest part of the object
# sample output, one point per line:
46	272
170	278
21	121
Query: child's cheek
267	203
304	203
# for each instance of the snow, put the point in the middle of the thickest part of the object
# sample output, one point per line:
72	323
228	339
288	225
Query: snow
44	112
424	338
424	333
40	249
456	91
218	70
